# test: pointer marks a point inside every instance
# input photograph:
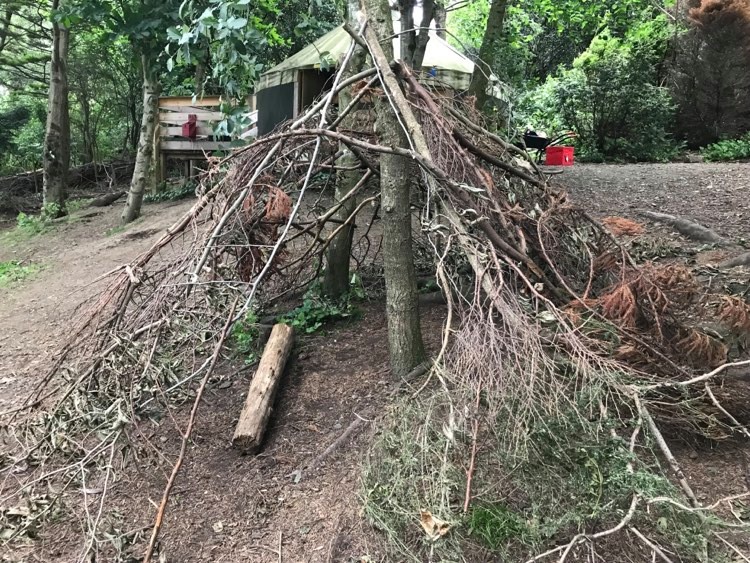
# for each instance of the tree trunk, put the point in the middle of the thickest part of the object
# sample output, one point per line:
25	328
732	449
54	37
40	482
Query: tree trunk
336	281
143	168
491	43
402	304
56	155
428	11
408	36
440	20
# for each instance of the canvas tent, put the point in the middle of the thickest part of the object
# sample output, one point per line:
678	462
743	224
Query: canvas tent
290	86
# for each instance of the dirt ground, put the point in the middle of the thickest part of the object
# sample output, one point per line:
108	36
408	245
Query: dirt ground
715	195
233	508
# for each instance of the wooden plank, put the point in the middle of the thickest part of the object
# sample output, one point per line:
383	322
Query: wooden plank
181	118
248	436
190	109
197	146
173	131
188	101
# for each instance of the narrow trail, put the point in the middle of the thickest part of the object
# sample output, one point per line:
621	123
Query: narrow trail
34	311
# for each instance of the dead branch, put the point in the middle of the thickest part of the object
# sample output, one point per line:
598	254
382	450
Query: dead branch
186	438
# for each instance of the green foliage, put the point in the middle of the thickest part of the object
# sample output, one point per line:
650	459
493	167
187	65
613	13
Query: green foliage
245	337
729	149
177	193
496	525
14	271
316	311
578	475
22	120
611	97
31	224
245	36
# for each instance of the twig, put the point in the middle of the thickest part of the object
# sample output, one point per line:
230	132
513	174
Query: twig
662	443
186	437
345	435
732	547
582	537
655	548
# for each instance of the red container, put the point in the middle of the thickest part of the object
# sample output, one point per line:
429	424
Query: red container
559	156
190	129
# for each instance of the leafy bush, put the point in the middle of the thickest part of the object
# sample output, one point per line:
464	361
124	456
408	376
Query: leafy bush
316	311
730	149
13	271
30	224
612	99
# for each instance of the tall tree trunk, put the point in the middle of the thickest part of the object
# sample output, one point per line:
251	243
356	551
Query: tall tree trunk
404	331
408	36
56	155
428	11
493	36
143	169
440	16
336	280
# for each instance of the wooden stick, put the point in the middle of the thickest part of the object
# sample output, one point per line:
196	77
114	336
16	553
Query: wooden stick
248	435
186	438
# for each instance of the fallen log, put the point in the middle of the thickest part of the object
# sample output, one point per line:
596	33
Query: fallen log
690	229
248	436
106	199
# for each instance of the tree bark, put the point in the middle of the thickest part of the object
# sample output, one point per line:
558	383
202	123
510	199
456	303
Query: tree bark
143	168
56	155
336	280
428	11
493	36
441	17
402	303
408	36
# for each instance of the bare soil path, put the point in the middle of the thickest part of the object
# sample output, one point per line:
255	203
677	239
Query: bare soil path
35	311
716	195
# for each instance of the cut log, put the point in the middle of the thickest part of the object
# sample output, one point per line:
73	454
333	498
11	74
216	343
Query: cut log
248	436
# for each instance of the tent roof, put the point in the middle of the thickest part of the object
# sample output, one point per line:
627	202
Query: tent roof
334	44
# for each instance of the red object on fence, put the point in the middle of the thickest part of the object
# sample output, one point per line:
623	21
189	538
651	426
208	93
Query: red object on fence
190	129
559	156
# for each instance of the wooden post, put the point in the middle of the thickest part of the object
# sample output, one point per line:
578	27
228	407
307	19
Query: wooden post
248	436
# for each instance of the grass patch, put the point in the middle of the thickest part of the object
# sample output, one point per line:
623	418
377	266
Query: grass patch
14	271
74	205
578	476
117	229
174	194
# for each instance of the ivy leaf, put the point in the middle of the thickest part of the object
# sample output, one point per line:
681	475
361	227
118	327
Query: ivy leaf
236	23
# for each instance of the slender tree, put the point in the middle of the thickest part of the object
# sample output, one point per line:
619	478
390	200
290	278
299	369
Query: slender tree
56	156
336	281
144	156
491	46
404	331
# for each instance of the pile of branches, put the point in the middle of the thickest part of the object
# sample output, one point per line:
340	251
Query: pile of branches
561	322
22	192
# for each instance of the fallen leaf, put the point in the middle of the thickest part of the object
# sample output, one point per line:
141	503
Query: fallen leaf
433	526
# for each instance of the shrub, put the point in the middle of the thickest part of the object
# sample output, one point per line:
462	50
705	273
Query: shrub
612	99
730	149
